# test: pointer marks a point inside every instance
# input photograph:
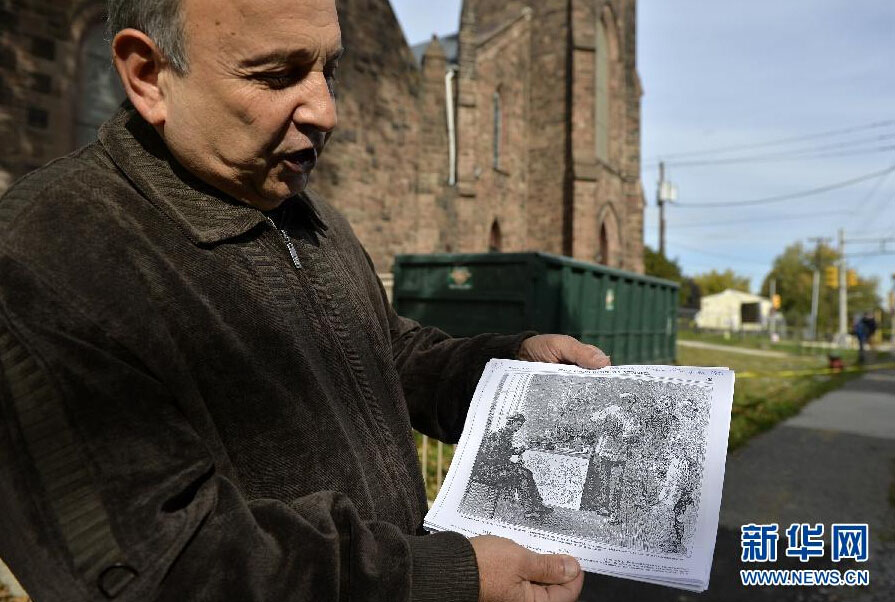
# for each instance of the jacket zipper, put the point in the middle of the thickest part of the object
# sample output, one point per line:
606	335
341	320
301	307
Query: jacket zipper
289	244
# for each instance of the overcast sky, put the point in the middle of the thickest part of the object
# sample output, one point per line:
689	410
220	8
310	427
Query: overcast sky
746	73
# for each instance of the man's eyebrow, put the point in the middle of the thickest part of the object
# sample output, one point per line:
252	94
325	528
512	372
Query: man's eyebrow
286	57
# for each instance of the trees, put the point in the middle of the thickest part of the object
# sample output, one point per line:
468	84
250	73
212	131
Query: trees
794	269
714	282
656	264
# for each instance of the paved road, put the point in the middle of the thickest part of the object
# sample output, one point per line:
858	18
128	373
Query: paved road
834	462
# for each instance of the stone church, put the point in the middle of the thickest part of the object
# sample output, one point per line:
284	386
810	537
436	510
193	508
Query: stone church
520	132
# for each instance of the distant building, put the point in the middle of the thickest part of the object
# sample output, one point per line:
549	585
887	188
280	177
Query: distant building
521	132
734	311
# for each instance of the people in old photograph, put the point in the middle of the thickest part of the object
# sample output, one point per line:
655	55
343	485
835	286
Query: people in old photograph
615	462
499	465
615	431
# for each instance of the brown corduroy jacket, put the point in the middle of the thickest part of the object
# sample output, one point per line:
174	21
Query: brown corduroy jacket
193	409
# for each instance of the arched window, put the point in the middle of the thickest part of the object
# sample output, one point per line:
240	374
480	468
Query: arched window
609	251
496	240
603	256
99	91
601	100
498	129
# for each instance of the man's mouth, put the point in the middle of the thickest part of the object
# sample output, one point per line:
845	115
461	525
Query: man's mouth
301	161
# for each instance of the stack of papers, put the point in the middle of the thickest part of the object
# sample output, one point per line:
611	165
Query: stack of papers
622	467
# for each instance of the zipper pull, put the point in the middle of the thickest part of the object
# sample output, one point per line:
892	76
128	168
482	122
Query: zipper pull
293	253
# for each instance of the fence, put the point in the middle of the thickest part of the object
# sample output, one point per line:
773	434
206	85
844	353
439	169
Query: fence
435	458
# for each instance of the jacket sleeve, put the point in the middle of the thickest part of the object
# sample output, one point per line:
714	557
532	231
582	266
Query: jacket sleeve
439	373
107	491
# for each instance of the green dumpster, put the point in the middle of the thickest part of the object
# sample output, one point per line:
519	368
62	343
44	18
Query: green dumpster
630	316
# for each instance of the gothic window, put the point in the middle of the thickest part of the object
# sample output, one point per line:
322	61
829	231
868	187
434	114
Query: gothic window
609	244
603	256
100	91
498	129
496	241
601	100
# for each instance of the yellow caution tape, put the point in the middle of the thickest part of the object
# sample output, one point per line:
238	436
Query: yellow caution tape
815	372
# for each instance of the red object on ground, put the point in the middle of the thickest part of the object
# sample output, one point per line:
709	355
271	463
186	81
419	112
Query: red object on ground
836	363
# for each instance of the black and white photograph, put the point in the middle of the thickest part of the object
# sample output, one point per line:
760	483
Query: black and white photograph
621	467
616	462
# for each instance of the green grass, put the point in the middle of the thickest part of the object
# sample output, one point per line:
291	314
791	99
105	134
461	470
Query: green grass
748	340
760	403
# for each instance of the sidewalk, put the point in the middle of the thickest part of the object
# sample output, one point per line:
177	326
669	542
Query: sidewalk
834	462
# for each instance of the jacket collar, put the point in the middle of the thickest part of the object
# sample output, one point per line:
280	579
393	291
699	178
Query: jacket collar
206	215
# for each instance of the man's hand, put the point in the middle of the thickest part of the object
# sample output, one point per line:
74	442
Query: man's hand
562	349
510	573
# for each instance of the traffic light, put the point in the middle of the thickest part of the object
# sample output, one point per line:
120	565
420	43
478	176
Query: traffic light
831	276
776	301
852	278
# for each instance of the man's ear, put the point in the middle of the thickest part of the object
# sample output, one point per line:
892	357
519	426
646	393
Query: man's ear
139	64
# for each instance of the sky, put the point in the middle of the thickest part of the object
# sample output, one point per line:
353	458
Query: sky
746	75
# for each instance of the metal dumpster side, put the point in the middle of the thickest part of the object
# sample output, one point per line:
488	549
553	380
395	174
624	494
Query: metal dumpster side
630	316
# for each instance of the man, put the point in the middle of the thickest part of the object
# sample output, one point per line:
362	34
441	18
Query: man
865	328
205	394
499	464
617	430
678	492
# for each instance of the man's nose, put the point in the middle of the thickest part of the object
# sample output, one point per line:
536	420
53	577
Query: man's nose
318	107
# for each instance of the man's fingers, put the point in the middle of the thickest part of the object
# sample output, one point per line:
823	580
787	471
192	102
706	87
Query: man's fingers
561	592
551	568
562	349
586	356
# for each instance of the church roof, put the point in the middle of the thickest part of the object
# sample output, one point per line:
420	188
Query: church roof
449	43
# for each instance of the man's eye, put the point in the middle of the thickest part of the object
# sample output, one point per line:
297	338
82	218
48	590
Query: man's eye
278	81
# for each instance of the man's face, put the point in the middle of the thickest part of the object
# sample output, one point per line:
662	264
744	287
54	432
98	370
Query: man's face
252	113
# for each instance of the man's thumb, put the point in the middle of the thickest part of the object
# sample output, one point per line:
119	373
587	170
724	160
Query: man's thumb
551	568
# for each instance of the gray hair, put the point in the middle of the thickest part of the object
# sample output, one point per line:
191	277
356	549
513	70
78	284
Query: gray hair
161	20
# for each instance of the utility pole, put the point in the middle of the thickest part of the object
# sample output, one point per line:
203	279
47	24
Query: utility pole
815	303
773	321
665	193
815	286
892	313
843	291
661	202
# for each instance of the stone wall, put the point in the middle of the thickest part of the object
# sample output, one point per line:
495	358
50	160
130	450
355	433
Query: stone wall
39	67
571	202
370	167
502	92
386	166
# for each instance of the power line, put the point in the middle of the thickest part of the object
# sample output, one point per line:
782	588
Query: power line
820	152
866	200
720	255
787	197
764	220
781	141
